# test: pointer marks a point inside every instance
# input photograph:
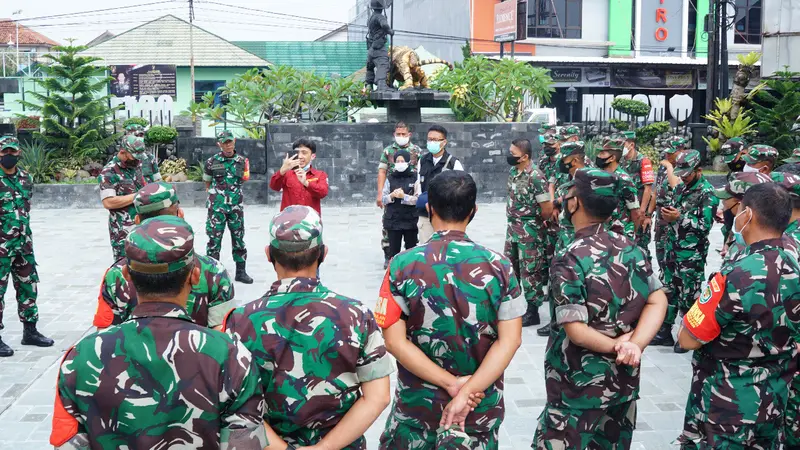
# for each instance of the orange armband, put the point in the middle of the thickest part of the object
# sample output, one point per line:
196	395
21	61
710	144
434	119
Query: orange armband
65	426
647	175
246	175
701	319
387	311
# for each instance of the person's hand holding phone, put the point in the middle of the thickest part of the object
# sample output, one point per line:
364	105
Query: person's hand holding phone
289	163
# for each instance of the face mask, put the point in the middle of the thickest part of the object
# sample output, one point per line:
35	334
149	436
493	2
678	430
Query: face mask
600	162
728	217
625	152
401	167
541	139
132	163
737	235
549	151
9	161
402	141
434	147
564	167
567	213
308	166
512	160
736	166
749	168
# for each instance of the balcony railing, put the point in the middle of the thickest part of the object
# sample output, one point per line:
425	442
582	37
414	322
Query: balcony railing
29	64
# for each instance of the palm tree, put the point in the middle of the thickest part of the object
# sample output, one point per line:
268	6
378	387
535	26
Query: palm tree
741	80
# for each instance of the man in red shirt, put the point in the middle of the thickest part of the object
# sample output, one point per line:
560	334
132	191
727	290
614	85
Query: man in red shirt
301	184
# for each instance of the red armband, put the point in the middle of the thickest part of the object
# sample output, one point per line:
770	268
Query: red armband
65	426
104	316
246	174
647	175
701	319
387	311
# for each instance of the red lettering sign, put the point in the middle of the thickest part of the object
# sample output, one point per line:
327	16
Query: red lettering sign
661	34
661	15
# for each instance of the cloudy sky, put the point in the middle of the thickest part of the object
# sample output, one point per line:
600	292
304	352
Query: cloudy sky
229	19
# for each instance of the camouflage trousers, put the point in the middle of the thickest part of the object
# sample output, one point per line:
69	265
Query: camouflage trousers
791	427
661	234
398	436
592	429
682	281
528	261
385	242
708	436
215	229
119	224
643	239
22	269
307	437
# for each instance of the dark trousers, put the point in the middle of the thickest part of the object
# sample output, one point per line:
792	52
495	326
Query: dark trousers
396	237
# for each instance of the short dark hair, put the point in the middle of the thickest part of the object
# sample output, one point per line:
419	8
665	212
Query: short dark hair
307	143
452	194
771	203
401	124
171	210
160	284
438	128
524	145
296	260
597	206
795	202
617	153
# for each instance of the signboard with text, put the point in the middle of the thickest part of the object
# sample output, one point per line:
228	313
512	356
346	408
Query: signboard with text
147	79
662	28
647	78
505	21
580	76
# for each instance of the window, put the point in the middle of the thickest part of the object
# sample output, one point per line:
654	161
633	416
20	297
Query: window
554	19
201	87
747	25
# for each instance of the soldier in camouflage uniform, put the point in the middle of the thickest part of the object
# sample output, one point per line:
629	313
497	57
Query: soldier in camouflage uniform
627	218
760	158
402	141
119	181
329	399
548	165
607	305
528	209
640	170
208	301
453	300
690	216
571	133
740	329
731	196
731	152
159	380
224	174
663	194
16	245
792	162
149	166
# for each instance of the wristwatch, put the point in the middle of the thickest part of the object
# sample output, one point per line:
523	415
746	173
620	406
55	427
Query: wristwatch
290	447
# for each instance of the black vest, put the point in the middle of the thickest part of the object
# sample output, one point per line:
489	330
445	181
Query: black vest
398	216
427	170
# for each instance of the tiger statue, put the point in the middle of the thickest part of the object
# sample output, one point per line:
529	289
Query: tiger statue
407	68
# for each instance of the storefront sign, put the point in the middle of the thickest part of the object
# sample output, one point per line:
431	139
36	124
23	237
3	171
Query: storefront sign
505	21
597	107
580	76
647	78
566	74
150	79
661	32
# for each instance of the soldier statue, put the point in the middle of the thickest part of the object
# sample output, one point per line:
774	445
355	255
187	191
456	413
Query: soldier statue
377	56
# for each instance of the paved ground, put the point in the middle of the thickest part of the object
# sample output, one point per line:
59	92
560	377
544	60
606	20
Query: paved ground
73	251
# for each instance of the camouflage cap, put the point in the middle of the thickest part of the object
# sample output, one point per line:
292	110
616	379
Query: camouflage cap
134	145
794	158
134	127
571	131
628	135
561	137
601	182
224	136
687	162
571	148
731	148
295	229
677	141
9	142
160	245
547	129
741	182
614	144
155	197
759	152
549	140
789	181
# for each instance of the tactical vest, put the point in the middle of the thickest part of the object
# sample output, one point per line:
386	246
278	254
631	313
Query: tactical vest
398	216
427	170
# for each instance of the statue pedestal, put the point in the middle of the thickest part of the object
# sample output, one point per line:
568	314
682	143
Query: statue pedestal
405	106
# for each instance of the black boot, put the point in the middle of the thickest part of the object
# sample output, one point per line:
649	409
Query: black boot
543	331
531	317
241	275
30	336
5	350
678	349
663	337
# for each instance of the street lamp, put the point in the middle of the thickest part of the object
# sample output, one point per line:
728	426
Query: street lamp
572	98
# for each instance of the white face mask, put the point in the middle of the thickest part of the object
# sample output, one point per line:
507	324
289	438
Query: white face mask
402	141
749	168
401	167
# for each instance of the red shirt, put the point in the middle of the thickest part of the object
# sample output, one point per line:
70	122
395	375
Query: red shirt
294	193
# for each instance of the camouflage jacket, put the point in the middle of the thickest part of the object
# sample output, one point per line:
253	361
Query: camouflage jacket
687	237
116	180
526	189
793	231
150	169
208	302
664	193
387	156
158	381
314	348
226	176
621	220
743	317
550	171
452	293
640	169
16	191
603	279
566	231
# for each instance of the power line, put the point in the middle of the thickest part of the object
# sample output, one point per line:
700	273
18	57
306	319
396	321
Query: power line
90	12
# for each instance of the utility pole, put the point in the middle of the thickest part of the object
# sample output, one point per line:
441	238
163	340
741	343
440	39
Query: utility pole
191	47
391	45
723	41
712	82
16	13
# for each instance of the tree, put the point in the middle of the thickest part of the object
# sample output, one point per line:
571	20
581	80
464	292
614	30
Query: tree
776	108
747	64
75	117
633	108
483	89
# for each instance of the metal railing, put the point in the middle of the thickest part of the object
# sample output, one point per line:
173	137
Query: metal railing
29	64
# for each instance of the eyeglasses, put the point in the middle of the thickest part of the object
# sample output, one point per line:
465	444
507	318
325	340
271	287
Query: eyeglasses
437	140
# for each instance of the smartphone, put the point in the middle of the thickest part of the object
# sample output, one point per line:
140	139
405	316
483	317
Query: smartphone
293	154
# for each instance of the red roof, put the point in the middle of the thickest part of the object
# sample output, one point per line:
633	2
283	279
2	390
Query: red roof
8	33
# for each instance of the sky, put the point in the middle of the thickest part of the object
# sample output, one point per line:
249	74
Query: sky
225	18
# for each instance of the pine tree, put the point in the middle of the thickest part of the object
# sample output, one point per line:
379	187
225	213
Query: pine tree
75	116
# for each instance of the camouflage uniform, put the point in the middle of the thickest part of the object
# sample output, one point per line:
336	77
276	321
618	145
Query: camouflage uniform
226	176
737	186
527	232
297	318
795	158
119	179
566	231
208	300
387	164
452	293
687	238
551	173
158	380
603	279
640	169
740	375
16	240
664	194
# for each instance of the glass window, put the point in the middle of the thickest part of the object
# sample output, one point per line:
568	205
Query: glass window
747	26
555	18
201	87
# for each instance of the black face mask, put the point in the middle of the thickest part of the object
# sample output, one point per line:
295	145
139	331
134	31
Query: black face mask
512	160
736	166
131	163
549	151
9	161
601	163
564	167
728	217
567	213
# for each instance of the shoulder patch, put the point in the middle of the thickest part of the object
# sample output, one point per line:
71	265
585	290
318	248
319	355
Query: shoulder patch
701	319
387	311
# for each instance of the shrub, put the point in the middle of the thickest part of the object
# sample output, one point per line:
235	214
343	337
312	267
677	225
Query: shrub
648	133
135	121
633	108
195	173
620	125
651	153
28	123
38	160
160	135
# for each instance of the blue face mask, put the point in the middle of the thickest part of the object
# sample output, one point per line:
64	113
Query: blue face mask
737	235
541	139
434	147
307	167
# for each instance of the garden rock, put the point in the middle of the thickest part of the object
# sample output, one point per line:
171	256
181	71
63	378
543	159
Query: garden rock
83	175
178	178
719	164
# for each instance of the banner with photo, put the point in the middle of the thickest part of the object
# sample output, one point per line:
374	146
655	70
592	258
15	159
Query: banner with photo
649	78
143	79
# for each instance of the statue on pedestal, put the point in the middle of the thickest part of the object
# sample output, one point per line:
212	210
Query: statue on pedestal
377	57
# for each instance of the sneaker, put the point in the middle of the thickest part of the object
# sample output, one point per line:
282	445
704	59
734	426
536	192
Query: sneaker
531	317
663	337
543	331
